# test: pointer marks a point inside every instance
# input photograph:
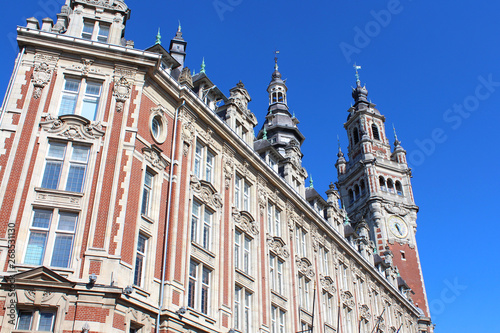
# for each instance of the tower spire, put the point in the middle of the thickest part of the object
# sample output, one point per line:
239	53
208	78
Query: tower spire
356	67
276	59
396	141
158	37
202	70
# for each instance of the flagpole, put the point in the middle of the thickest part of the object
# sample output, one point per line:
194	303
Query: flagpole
378	321
399	328
338	318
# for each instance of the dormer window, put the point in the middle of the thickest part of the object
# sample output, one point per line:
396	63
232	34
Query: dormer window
95	31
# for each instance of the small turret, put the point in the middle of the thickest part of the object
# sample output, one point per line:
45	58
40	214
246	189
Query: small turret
178	51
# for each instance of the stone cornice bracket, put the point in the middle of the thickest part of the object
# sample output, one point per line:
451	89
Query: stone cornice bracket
153	156
364	312
73	127
347	299
328	284
121	92
245	221
187	129
278	246
206	192
304	266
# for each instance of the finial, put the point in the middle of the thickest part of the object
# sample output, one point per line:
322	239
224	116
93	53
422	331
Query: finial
356	67
311	185
276	59
158	38
340	153
293	114
264	134
346	218
179	28
202	70
396	141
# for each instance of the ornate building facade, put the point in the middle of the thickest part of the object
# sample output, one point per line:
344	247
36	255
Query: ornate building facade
134	197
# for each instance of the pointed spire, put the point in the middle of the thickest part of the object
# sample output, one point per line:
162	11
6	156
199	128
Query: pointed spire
359	93
264	134
179	28
276	59
340	153
396	141
356	67
311	183
202	70
158	38
178	34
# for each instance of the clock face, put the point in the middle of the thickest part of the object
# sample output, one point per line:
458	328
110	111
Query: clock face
398	226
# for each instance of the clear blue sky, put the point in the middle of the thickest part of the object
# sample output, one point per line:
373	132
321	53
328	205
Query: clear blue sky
421	64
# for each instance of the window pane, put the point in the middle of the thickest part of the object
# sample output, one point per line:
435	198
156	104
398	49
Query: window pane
89	107
68	104
46	320
145	201
93	89
67	222
88	29
62	250
41	218
75	178
141	244
80	153
36	248
51	175
103	33
139	261
24	322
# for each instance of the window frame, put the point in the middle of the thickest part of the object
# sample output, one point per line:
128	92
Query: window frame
304	292
242	251
242	193
199	300
201	228
276	274
36	318
278	319
141	258
95	34
274	220
242	309
204	162
147	207
79	97
52	231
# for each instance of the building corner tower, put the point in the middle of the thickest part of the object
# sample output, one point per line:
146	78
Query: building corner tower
375	188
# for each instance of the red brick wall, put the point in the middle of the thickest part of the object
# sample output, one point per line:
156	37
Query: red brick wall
95	267
409	270
87	313
119	321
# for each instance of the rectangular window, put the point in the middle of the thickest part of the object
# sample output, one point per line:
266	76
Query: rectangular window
347	320
324	260
241	194
147	192
274	220
242	310
37	320
242	252
95	30
328	307
140	260
204	161
276	273
201	231
65	166
360	287
80	97
199	287
304	292
277	320
55	231
300	237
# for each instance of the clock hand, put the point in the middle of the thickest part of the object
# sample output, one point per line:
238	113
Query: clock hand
399	230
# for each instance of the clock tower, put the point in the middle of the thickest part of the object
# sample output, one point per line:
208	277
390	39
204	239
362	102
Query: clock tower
375	188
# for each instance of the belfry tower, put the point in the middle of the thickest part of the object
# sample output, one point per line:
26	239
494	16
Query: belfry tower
375	188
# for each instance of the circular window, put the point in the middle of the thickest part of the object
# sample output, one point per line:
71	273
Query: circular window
158	128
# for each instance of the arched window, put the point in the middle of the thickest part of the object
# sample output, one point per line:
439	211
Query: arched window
280	97
274	97
381	181
399	188
376	134
356	192
362	186
351	197
355	135
390	185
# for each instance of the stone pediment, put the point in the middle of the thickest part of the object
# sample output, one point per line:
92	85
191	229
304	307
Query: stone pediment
206	192
278	246
41	276
72	127
245	221
153	156
304	266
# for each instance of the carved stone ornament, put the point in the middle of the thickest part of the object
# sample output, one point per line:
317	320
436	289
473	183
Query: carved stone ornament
328	284
110	4
278	246
364	312
315	239
121	92
304	266
396	209
262	199
245	221
187	130
206	192
347	299
72	127
153	156
44	296
40	78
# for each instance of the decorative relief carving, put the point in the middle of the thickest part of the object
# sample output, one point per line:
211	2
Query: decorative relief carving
121	92
73	127
111	4
86	67
396	208
228	165
278	246
245	222
328	284
44	296
347	299
153	156
206	192
304	266
187	130
315	239
40	78
364	312
262	199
